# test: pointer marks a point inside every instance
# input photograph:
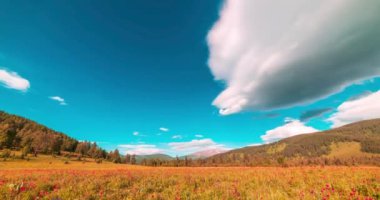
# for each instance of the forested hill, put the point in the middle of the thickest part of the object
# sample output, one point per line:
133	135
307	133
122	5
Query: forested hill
18	133
357	143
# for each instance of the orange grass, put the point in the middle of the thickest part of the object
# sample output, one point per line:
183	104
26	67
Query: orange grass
110	181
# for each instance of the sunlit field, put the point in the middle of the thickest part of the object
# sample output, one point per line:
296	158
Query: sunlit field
89	180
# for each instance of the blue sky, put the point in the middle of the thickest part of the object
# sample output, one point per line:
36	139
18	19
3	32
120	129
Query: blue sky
169	77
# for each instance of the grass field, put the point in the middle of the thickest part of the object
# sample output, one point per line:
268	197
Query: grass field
347	150
45	178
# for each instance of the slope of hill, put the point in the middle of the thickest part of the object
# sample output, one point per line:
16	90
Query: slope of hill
314	147
18	133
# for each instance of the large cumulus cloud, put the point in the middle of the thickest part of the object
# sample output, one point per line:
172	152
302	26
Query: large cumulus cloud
274	54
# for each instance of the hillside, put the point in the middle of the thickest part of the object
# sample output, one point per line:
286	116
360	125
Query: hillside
21	134
16	132
357	143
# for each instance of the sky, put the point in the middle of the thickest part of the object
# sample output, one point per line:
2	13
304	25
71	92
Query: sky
177	77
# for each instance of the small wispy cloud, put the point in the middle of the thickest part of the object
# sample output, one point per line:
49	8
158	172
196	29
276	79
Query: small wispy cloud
177	137
59	99
199	136
138	134
140	149
13	81
195	146
163	129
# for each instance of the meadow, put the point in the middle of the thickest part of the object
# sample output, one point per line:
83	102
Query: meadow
55	179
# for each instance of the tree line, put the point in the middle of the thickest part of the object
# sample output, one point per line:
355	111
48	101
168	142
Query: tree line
254	161
20	134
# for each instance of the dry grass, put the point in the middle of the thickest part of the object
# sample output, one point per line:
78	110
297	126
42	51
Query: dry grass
46	178
347	150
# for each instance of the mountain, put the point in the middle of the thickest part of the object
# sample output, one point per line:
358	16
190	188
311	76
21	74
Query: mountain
152	159
196	155
356	143
162	157
206	153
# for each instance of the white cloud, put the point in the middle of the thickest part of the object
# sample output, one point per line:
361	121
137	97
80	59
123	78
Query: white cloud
12	80
140	149
290	128
163	129
60	100
195	146
273	54
367	107
199	136
177	137
135	133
